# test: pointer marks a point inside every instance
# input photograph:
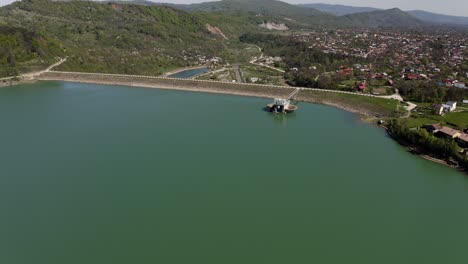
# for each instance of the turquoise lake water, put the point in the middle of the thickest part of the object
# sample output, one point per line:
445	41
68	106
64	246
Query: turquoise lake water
113	174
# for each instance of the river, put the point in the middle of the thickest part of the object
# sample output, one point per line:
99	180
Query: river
114	174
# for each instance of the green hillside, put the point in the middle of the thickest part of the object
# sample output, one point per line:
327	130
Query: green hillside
265	7
294	16
22	50
123	38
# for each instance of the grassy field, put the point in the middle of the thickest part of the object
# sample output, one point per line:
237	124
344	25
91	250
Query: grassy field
372	106
265	75
458	120
238	52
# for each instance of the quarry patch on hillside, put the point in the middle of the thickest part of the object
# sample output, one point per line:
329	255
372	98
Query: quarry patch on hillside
216	31
274	26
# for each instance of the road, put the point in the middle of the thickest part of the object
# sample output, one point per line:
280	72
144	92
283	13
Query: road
410	106
35	74
238	73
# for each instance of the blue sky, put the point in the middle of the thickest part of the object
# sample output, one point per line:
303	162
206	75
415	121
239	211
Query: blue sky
449	7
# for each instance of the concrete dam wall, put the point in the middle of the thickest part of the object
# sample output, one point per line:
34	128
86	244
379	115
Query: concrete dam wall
258	90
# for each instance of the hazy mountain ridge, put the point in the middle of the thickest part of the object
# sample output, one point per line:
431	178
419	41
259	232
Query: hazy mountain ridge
339	10
428	17
438	18
384	18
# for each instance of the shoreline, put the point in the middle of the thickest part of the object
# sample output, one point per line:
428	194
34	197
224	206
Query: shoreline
415	150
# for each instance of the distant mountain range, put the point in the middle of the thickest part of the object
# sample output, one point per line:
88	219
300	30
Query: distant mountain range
384	18
433	18
438	18
315	14
339	10
299	16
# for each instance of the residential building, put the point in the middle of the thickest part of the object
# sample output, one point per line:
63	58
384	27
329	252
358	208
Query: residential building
463	140
362	86
434	128
438	109
450	106
449	132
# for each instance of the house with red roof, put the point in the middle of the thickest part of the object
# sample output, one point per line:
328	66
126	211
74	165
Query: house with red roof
345	71
362	86
449	82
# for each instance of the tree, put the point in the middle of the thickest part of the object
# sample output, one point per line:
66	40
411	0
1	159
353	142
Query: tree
11	59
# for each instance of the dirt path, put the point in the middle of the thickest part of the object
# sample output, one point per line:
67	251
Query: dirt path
254	62
410	106
35	74
13	80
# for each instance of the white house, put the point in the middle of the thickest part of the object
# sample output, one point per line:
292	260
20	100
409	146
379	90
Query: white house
450	106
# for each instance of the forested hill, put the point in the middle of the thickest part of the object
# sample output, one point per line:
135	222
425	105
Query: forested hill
306	16
111	37
279	11
339	10
384	18
22	50
265	7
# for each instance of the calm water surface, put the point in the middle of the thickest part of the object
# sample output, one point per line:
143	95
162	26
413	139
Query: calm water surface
189	73
111	174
